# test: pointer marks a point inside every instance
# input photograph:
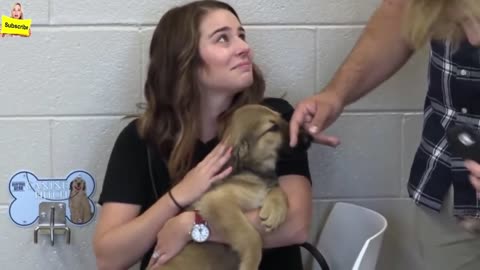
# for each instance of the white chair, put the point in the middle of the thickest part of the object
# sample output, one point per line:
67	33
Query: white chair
352	237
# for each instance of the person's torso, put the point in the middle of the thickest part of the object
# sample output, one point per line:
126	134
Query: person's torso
454	77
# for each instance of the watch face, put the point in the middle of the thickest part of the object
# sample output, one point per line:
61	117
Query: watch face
200	233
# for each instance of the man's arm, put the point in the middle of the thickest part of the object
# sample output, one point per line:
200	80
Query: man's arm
380	52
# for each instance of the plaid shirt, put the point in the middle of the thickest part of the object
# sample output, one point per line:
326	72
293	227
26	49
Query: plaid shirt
453	98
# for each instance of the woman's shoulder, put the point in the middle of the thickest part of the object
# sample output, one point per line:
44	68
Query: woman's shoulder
131	129
128	147
280	105
130	133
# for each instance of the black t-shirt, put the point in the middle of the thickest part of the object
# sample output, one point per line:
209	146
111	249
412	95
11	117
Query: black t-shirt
127	180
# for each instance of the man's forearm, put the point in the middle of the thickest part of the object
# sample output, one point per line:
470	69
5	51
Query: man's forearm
378	54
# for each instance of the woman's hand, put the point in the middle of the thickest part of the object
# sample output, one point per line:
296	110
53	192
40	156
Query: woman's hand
201	177
474	169
172	238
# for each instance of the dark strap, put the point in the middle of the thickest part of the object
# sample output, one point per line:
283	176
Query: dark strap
317	255
150	172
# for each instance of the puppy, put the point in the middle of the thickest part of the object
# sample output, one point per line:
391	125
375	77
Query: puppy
78	202
258	135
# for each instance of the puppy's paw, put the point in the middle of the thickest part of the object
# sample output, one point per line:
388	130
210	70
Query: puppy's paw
272	215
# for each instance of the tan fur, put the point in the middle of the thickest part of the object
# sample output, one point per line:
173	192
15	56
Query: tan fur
255	149
437	19
78	202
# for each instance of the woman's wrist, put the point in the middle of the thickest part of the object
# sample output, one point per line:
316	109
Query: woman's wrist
179	197
180	207
187	219
184	194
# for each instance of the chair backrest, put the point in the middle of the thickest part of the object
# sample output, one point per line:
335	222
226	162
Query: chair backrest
352	237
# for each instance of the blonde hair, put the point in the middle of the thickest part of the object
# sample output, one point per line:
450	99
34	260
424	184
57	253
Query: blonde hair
427	20
21	10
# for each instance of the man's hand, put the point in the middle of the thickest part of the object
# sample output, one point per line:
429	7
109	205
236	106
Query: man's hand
471	26
469	23
315	114
474	169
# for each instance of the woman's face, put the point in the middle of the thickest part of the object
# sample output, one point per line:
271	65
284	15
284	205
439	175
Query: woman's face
17	12
226	57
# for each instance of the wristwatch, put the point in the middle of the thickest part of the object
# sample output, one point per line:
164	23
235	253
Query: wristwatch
200	231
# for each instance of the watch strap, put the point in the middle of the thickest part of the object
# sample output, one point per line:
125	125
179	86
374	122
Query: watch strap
198	218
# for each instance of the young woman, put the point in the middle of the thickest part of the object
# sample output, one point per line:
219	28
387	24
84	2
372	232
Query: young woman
200	70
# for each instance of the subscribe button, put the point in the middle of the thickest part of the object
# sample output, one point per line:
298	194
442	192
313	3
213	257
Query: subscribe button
15	27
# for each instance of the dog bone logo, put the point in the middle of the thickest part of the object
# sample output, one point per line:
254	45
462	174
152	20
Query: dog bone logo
29	191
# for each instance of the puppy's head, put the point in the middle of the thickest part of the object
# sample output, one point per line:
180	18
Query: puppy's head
77	184
258	135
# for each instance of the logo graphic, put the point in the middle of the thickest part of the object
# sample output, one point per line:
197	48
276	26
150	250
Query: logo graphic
29	191
15	24
15	27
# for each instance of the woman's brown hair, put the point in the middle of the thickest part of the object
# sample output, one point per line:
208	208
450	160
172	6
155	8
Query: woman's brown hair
170	121
437	20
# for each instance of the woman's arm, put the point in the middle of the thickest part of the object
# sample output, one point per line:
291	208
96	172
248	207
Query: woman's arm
122	237
296	227
294	230
380	51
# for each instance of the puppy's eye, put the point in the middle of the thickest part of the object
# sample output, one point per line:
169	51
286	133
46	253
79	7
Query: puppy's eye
274	128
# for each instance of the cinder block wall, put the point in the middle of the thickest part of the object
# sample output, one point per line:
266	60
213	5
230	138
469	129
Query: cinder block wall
65	89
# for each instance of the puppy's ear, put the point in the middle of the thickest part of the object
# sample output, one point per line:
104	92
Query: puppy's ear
239	153
84	185
71	185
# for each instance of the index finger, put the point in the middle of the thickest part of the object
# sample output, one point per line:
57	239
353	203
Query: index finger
295	122
299	118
